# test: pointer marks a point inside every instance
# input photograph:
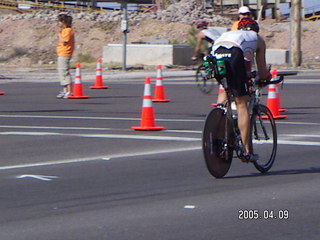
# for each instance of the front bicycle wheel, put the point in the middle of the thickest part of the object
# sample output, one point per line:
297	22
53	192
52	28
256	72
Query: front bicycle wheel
217	154
204	79
264	138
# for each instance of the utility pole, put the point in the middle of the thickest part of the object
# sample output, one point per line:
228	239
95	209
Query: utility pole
125	30
295	33
277	10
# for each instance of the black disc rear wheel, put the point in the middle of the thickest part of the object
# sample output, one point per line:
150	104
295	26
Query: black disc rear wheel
218	158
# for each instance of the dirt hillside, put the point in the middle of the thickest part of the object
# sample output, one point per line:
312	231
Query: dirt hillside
27	42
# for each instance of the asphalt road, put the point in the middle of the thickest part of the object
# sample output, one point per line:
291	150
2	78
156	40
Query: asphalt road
74	169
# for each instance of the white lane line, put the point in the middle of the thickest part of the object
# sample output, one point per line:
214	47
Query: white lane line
298	123
88	128
98	118
138	119
98	158
301	135
56	128
38	177
299	143
140	137
114	136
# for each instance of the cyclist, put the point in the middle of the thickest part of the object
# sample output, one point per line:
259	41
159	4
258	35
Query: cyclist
244	12
205	33
235	47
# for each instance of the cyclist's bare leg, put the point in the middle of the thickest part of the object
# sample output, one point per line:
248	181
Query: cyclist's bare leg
243	121
222	97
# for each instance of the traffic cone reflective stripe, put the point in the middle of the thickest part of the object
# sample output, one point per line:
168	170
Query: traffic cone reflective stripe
147	122
99	82
159	95
77	87
273	103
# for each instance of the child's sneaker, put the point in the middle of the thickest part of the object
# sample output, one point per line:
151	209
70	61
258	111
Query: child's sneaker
67	94
61	95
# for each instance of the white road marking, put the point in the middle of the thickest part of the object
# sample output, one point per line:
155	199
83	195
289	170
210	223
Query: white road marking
114	136
39	177
300	143
301	135
97	118
98	158
189	206
298	123
137	119
89	128
57	128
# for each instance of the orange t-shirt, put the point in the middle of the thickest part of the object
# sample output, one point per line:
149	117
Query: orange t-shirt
66	49
235	26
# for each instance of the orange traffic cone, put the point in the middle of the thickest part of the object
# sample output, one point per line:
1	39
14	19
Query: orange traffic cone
279	99
147	114
273	103
77	87
159	95
221	89
274	74
99	82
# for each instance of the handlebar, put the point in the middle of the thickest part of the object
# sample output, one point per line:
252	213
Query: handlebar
262	82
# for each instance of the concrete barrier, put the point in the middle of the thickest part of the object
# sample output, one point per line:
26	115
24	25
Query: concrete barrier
149	54
165	54
277	56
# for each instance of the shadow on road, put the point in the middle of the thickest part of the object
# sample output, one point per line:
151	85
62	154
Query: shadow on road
280	172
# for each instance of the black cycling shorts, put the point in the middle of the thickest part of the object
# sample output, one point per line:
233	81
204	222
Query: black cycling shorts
236	70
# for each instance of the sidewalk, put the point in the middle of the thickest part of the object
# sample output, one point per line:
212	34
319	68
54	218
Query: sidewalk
51	75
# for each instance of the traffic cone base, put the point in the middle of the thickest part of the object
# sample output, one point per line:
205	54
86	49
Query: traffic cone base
99	87
78	97
140	128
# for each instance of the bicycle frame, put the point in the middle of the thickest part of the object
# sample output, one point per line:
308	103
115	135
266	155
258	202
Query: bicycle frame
255	95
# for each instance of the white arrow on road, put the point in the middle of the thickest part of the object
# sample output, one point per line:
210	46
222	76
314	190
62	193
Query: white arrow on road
39	177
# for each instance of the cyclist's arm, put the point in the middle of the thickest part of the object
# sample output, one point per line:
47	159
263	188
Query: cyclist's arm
200	37
261	59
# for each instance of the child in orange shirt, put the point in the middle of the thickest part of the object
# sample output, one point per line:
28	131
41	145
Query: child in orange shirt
65	49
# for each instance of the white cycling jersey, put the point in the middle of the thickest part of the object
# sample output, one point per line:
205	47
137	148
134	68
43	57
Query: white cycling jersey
247	41
211	34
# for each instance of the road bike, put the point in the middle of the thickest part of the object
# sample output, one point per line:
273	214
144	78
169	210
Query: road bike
221	136
205	76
